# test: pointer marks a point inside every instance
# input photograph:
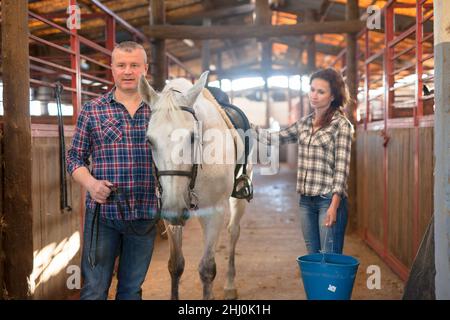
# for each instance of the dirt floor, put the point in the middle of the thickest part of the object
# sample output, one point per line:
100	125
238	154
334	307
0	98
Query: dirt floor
269	244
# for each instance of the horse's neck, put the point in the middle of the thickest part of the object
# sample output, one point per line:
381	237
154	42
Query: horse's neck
209	115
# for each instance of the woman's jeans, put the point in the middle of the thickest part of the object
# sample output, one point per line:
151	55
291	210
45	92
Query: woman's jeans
116	238
318	237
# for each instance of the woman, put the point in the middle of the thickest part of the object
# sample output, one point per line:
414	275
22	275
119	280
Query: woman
324	139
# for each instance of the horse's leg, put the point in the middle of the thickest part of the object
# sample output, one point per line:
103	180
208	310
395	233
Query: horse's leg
211	225
176	259
237	210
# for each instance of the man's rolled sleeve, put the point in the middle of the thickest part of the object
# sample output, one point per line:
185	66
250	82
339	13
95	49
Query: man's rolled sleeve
80	149
342	158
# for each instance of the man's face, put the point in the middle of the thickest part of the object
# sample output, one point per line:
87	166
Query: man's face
127	68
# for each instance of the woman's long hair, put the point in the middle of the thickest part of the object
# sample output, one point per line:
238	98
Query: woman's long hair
339	91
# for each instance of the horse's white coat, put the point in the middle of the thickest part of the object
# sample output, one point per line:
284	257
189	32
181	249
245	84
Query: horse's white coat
214	183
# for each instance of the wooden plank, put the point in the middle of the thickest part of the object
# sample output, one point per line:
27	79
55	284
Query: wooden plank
37	222
361	166
17	132
59	232
252	31
401	194
426	167
375	199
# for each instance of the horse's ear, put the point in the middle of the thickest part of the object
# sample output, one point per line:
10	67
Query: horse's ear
193	92
148	94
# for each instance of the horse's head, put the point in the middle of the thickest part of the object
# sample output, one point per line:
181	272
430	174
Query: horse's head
172	133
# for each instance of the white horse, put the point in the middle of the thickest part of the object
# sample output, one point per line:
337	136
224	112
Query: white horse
184	110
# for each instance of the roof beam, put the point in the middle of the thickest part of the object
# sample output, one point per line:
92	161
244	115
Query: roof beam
252	31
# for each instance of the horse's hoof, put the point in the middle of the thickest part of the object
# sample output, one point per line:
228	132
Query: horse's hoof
230	294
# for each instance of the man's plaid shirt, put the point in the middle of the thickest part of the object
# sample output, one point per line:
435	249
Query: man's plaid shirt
117	145
323	157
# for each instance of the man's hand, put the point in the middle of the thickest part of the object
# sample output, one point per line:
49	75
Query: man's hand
99	190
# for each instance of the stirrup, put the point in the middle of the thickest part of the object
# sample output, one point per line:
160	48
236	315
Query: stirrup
243	188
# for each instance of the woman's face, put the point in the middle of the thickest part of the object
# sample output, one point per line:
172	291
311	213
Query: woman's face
320	96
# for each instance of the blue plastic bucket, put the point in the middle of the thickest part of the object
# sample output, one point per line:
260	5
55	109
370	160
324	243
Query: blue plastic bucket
328	276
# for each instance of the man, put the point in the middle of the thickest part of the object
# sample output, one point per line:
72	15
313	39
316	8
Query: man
121	202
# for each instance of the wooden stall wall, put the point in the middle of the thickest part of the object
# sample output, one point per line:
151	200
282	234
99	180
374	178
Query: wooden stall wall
56	235
370	185
394	232
400	193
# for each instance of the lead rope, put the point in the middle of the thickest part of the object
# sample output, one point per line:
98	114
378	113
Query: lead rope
95	225
64	204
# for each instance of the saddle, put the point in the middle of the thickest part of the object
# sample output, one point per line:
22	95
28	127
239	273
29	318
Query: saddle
243	187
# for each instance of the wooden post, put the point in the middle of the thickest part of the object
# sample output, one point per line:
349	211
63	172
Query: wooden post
352	12
206	52
263	16
441	148
18	242
158	66
310	16
301	104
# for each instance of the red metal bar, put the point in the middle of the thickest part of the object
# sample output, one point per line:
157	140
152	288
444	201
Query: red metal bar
405	34
50	23
94	46
121	21
375	56
390	260
398	55
427	57
89	76
366	80
427	17
54	65
50	44
388	82
92	94
428	36
95	61
419	63
48	84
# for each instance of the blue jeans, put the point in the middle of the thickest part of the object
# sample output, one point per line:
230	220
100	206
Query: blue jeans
133	245
313	210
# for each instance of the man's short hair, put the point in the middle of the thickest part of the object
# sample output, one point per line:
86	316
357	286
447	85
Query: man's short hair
130	46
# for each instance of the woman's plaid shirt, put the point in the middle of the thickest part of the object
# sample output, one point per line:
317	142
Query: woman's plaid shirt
323	157
117	145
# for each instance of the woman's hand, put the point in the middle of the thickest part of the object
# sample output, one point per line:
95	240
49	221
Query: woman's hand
330	219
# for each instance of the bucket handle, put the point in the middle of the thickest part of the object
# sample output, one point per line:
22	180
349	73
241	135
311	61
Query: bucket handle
323	246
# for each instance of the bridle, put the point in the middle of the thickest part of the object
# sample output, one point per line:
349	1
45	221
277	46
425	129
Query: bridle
192	174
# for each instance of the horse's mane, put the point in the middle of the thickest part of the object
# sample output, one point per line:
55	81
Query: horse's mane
163	110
